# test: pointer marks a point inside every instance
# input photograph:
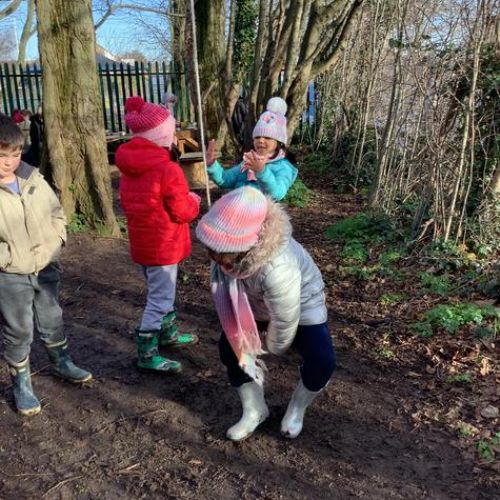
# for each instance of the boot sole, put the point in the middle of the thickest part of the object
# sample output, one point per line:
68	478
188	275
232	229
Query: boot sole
74	380
248	435
29	413
287	435
158	372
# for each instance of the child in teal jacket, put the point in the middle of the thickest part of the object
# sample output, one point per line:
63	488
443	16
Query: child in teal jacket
265	167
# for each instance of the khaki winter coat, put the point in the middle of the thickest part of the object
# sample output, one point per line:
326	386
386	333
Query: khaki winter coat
32	225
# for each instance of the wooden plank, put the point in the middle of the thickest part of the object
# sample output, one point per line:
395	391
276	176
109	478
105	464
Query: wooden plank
118	136
195	156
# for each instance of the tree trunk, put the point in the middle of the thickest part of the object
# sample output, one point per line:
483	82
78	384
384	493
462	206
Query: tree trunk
210	24
75	141
303	38
495	182
178	27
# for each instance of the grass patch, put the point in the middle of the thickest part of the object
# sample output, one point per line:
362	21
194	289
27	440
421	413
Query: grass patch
76	224
389	299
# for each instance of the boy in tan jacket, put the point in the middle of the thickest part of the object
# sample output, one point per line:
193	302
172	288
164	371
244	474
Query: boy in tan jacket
32	231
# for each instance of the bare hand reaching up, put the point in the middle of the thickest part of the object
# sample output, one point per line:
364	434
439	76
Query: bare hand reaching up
210	152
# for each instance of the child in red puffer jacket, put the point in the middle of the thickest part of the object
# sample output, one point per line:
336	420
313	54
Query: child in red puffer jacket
155	197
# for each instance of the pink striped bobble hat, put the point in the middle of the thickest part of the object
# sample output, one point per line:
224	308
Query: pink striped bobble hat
149	121
234	222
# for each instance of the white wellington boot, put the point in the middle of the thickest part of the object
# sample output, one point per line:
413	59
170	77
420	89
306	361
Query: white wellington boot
255	411
291	425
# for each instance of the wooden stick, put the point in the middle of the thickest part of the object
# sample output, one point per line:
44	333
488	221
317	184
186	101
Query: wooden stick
60	483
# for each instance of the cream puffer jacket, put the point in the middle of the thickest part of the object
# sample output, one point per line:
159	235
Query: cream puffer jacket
283	284
32	224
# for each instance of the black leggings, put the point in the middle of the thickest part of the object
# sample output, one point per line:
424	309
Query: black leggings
314	344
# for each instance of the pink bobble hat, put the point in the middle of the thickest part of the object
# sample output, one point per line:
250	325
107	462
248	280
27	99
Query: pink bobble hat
234	222
149	121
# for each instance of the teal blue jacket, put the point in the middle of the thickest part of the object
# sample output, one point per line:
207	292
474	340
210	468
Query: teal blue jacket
275	179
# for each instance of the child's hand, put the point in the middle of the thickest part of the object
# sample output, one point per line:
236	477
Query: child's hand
210	152
195	197
253	161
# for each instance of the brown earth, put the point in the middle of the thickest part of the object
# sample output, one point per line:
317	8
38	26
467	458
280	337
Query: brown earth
129	435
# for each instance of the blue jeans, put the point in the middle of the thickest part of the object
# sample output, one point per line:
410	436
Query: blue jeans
314	344
161	282
29	302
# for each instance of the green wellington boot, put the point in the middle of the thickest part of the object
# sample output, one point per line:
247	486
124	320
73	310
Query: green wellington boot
27	403
63	365
170	336
149	358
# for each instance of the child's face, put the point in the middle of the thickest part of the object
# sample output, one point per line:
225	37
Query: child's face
9	161
264	146
226	260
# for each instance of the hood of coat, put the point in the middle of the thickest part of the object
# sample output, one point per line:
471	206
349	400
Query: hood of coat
140	155
274	237
36	118
24	170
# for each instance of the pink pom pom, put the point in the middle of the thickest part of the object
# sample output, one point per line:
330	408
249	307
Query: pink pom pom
134	103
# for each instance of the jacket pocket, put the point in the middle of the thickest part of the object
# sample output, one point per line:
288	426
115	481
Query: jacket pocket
5	255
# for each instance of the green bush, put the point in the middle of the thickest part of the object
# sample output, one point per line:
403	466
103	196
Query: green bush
363	273
319	162
390	256
362	227
354	251
440	285
451	317
76	224
487	449
298	195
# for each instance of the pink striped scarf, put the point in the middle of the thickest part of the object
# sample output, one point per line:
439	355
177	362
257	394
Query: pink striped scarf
238	322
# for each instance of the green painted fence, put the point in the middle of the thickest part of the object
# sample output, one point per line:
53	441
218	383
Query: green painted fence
21	88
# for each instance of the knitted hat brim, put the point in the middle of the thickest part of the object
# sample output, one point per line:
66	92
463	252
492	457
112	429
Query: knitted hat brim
210	237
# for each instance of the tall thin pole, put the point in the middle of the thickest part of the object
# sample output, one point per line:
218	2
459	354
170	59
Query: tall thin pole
198	97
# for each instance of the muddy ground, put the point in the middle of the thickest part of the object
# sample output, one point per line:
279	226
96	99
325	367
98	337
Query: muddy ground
129	435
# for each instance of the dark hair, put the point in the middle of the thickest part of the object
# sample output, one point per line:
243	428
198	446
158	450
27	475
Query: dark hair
175	154
11	136
290	155
233	258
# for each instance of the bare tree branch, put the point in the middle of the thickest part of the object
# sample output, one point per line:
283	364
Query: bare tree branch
28	31
10	9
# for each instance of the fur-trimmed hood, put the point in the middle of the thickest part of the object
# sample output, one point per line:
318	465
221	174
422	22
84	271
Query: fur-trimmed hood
274	237
283	284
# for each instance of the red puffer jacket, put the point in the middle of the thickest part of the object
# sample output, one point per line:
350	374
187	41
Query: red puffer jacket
155	197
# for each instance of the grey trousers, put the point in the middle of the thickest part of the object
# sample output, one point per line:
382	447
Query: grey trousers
161	281
29	302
